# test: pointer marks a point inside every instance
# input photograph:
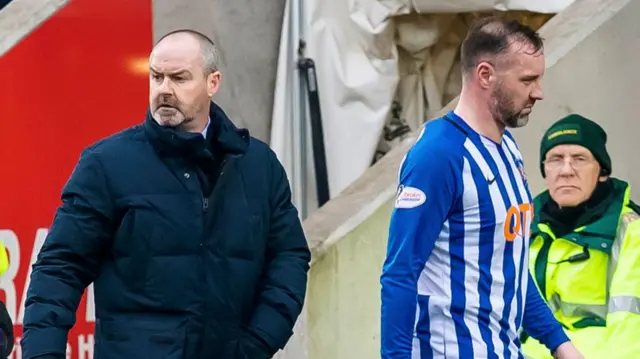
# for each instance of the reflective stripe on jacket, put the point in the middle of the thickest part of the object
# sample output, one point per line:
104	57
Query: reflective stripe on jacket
597	298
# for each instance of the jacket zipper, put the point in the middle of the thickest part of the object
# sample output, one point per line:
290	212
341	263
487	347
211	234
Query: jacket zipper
205	200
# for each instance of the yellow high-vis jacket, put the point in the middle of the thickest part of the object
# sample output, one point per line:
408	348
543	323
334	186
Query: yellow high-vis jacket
4	259
596	296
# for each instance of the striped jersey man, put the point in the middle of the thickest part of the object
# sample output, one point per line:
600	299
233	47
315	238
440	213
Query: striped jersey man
455	283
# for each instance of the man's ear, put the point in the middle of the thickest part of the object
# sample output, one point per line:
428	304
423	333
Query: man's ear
603	176
486	74
213	83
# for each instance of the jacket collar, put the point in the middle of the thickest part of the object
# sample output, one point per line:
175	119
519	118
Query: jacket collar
604	226
223	137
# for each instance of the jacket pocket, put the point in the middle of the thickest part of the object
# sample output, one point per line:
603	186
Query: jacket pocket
158	339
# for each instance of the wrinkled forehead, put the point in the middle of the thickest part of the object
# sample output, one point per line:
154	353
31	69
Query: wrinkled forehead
176	52
568	150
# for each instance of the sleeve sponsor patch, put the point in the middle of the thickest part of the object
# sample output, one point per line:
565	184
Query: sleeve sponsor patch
409	197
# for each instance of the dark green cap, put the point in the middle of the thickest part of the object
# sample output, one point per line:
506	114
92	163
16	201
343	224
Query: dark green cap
577	130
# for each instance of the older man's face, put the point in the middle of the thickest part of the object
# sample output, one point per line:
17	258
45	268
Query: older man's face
572	174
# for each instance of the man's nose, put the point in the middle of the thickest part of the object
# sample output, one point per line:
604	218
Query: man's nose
165	86
567	168
537	93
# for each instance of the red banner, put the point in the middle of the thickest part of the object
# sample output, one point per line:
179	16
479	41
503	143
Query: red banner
76	78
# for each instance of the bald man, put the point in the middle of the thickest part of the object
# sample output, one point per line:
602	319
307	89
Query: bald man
185	226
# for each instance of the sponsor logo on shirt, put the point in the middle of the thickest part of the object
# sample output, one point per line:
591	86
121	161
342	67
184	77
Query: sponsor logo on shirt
517	221
409	197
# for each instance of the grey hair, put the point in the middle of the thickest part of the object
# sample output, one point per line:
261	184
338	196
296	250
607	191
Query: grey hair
209	50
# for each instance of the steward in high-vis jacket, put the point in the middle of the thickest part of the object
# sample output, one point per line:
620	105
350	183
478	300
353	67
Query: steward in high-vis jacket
585	244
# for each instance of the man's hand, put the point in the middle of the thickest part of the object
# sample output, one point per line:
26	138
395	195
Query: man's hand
567	351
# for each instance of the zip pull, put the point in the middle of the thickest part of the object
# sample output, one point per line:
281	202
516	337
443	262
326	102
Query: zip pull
222	164
205	203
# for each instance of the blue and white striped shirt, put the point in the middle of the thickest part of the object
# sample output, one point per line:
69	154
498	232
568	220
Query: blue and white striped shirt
456	283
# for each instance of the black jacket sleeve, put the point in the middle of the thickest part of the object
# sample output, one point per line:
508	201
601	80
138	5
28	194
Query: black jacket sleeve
6	325
284	281
68	261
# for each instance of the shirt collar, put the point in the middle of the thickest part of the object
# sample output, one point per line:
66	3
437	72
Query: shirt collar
204	132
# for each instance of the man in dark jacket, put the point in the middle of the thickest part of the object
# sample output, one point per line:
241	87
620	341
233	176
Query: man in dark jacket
184	224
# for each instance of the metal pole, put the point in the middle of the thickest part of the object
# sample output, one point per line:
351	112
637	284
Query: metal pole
295	98
303	109
308	69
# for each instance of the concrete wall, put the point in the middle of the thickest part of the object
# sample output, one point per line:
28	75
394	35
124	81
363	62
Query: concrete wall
344	302
247	33
590	53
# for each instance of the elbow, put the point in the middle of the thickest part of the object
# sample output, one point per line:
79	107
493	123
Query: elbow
297	259
289	246
58	279
73	272
398	273
302	254
391	286
288	273
397	283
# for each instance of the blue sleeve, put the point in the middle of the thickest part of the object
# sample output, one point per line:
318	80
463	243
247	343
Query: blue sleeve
284	280
425	196
68	261
538	320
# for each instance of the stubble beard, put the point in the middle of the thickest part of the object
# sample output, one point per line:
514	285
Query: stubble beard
504	110
179	120
169	120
